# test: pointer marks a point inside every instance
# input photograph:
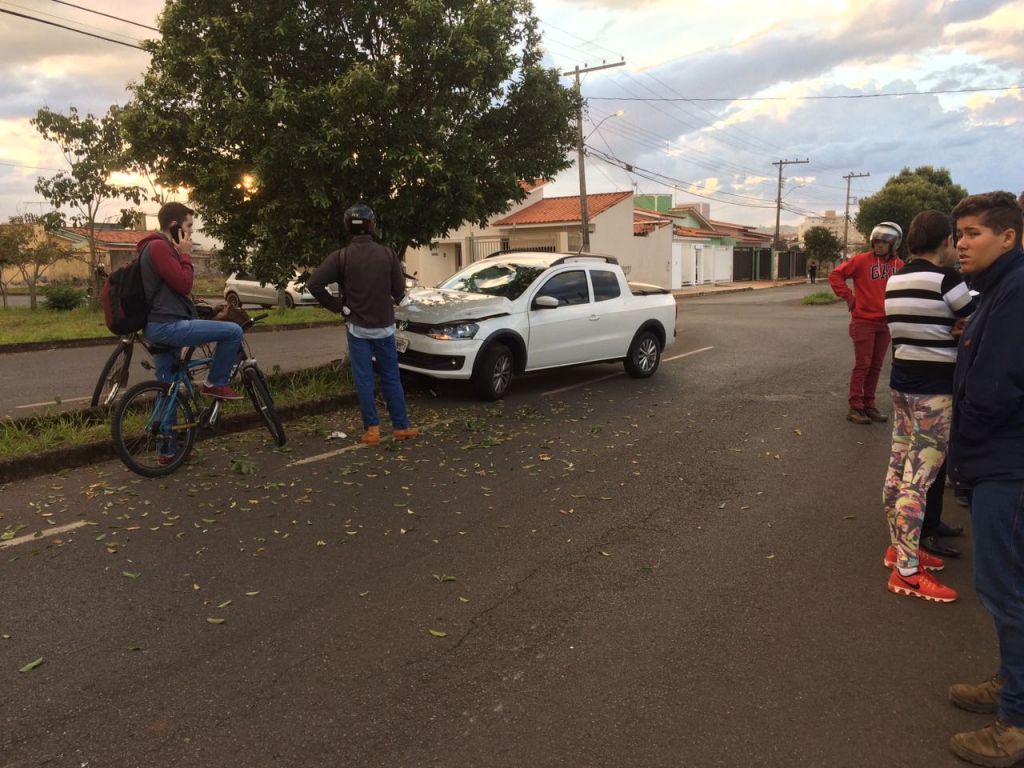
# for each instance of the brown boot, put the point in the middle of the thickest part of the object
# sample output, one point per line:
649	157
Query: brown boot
857	416
875	415
983	697
999	745
405	434
371	436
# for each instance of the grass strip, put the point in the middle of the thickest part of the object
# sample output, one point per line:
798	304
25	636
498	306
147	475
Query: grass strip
821	297
47	432
22	325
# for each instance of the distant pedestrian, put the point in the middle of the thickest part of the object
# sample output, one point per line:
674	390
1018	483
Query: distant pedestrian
922	303
370	282
812	272
870	271
987	456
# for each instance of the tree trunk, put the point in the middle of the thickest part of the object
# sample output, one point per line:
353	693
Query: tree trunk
3	293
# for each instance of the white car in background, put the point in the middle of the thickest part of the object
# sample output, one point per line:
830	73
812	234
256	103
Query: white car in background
241	288
517	312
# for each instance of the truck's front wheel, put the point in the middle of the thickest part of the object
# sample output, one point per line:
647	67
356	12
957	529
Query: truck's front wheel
493	374
644	355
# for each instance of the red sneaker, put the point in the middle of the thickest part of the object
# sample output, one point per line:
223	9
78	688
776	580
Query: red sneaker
922	584
925	559
222	392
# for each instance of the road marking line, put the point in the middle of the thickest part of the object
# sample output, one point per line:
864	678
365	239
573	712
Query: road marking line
357	446
42	534
686	354
588	382
54	402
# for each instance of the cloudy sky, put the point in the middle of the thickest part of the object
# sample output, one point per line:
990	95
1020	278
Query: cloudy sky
712	93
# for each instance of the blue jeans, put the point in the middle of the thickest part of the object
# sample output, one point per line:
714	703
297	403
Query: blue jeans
361	353
189	333
997	518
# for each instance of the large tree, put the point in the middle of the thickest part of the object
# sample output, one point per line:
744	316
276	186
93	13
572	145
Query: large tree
907	194
39	250
279	115
95	150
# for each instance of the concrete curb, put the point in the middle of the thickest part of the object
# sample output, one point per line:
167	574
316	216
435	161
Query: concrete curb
110	340
45	462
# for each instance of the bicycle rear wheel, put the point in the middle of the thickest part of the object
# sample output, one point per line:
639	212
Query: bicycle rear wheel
113	379
256	386
153	431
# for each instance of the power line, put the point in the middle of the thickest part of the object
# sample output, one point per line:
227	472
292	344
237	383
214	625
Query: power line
31	167
66	20
71	29
811	98
100	13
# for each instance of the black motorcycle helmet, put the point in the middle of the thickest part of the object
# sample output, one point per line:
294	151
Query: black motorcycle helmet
360	220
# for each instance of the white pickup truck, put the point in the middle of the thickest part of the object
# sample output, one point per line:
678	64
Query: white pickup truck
516	312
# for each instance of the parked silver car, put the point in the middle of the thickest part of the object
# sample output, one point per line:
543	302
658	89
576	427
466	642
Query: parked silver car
242	288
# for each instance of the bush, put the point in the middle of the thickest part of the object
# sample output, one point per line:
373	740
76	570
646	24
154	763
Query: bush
62	296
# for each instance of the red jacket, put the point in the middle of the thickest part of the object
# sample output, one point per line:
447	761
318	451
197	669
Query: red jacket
870	273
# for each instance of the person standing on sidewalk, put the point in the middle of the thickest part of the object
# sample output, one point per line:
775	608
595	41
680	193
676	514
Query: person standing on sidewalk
870	271
922	304
987	457
370	282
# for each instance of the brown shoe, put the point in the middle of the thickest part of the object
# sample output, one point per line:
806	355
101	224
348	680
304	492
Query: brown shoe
371	436
999	745
405	434
876	415
858	416
983	697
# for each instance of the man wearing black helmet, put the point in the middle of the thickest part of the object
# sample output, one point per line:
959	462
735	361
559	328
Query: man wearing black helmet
370	282
870	271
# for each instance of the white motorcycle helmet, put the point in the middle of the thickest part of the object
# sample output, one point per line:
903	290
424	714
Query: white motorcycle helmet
888	232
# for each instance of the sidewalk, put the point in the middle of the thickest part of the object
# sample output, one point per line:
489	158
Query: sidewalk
709	289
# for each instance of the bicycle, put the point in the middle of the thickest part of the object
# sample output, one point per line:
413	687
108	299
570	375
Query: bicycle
116	371
155	425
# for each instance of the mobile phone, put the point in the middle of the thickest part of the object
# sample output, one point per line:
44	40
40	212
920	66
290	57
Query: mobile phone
176	232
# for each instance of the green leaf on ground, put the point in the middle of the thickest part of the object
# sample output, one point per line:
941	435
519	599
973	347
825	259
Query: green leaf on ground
131	574
434	632
32	665
212	620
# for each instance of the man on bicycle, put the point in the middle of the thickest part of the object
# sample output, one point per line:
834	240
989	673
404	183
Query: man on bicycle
166	259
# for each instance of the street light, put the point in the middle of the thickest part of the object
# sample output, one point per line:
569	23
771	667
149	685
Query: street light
601	122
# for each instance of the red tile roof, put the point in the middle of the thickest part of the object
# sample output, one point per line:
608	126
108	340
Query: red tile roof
645	222
562	210
115	237
691	232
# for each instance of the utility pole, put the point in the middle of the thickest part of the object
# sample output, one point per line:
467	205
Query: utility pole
778	215
846	223
584	213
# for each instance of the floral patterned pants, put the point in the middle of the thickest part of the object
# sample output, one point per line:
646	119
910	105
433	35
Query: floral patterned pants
920	433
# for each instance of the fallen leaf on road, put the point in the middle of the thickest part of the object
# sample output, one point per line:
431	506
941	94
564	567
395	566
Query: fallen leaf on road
463	599
135	647
212	620
605	554
131	574
225	604
722	505
849	517
434	632
364	594
798	433
251	594
31	665
770	557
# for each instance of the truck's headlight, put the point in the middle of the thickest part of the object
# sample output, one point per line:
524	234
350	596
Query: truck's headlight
453	332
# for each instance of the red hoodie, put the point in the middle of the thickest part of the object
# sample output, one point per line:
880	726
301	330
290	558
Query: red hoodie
870	273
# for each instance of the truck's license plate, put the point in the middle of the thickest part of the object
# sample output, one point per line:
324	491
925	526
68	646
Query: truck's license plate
401	343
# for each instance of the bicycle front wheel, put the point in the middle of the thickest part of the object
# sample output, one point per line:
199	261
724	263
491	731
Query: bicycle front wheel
256	386
153	431
113	379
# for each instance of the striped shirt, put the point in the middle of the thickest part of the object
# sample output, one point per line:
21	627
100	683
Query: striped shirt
922	303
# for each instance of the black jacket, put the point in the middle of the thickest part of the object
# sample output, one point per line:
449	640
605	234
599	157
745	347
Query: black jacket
987	438
370	282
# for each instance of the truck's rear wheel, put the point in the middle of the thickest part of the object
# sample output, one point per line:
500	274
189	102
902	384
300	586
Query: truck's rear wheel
493	374
644	355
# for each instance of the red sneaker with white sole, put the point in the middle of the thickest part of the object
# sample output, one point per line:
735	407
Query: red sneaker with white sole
926	560
922	584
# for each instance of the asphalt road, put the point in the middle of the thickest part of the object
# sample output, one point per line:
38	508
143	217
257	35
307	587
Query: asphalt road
598	571
33	382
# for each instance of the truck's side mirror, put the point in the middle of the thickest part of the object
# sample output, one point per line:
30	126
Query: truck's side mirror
545	302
